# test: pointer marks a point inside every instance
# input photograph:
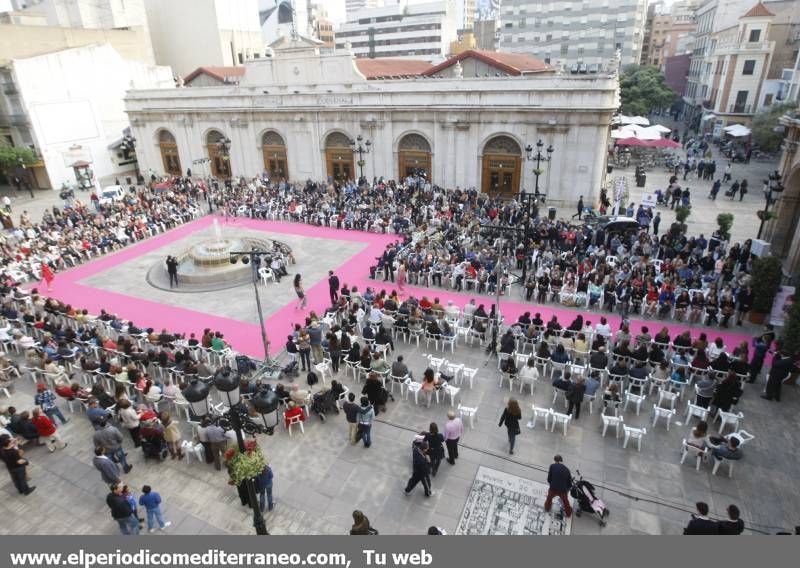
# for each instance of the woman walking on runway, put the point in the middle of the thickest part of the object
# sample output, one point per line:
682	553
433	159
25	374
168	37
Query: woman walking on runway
401	276
301	293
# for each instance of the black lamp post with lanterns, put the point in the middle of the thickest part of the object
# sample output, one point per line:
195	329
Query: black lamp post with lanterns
361	147
772	185
255	258
129	148
265	403
528	200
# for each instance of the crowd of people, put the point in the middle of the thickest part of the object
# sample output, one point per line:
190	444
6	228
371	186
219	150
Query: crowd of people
447	238
73	234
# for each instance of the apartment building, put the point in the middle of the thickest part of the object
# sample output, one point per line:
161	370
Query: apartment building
415	31
576	35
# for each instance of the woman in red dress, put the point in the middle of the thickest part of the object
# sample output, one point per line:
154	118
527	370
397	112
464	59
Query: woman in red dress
47	276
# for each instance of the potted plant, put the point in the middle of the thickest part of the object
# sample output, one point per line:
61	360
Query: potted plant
765	215
538	171
790	338
725	222
244	465
681	214
766	281
361	163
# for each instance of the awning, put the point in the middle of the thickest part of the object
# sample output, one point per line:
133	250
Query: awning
708	116
638	120
737	130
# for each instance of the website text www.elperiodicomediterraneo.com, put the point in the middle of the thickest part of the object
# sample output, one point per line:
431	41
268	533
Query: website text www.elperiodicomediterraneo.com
212	558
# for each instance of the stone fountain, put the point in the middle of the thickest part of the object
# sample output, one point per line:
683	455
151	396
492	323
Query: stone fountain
205	266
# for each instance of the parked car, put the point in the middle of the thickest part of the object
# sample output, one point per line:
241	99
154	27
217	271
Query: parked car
110	194
615	225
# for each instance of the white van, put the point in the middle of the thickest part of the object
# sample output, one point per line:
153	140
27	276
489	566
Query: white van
110	194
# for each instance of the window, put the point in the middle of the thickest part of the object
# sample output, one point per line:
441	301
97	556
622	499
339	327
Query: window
509	25
749	67
548	37
755	35
564	49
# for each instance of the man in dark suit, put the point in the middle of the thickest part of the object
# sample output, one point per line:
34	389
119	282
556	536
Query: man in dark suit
734	525
700	523
560	479
172	270
333	287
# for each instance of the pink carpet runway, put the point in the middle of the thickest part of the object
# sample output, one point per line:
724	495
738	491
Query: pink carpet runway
246	338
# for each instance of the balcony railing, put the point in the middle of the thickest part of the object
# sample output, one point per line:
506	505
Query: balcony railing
13	119
740	109
10	89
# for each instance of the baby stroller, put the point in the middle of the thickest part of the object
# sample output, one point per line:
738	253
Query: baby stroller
152	439
322	403
583	493
291	370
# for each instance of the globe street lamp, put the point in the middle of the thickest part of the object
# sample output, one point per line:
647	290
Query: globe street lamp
361	147
265	403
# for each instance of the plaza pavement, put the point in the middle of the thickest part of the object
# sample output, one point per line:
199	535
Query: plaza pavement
320	479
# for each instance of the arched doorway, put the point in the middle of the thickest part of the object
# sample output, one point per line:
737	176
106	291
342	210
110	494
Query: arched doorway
339	157
169	153
502	164
218	154
274	150
414	153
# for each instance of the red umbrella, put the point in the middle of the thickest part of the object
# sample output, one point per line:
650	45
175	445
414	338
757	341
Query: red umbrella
631	142
662	143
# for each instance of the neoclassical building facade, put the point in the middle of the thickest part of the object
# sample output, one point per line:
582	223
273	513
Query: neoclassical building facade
295	114
784	231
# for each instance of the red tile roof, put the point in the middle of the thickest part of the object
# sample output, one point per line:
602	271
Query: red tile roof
218	73
758	11
511	63
387	67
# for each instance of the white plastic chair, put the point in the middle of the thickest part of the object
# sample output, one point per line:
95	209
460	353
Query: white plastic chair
507	377
324	368
452	392
468	373
468	412
718	462
635	434
687	450
726	418
266	275
666	413
694	410
667	396
560	418
636	399
615	421
454	370
413	387
544	413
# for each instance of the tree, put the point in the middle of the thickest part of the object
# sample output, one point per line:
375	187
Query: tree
766	281
725	222
642	89
767	132
10	157
790	338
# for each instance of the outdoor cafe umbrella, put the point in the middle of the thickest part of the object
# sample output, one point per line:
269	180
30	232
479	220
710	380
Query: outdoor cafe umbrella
663	143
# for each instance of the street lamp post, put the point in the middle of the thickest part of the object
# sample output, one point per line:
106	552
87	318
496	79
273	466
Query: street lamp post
264	401
539	157
255	257
361	147
773	185
529	201
224	150
129	147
